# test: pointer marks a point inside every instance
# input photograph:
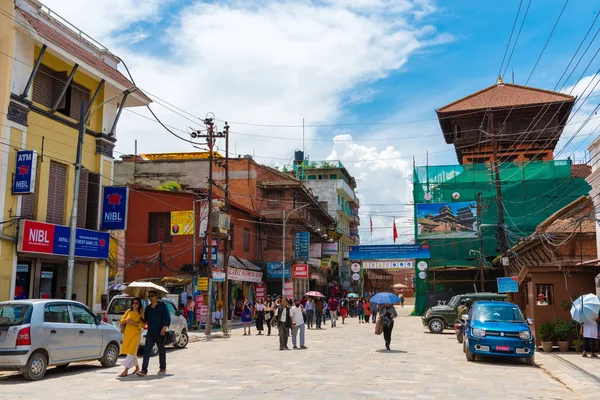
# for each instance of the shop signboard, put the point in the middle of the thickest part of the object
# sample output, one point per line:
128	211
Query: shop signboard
203	217
114	207
43	238
25	171
260	291
388	264
329	249
315	250
274	270
214	251
300	271
218	276
507	285
243	275
325	263
202	284
389	252
182	223
288	289
301	245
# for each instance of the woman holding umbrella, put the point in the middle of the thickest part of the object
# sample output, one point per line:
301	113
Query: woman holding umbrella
387	313
585	310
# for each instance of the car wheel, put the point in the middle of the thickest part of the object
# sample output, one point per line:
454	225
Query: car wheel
436	325
470	356
183	340
460	338
530	360
111	356
154	350
36	367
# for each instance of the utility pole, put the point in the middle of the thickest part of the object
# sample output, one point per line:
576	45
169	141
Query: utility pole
73	224
210	141
480	236
283	256
227	250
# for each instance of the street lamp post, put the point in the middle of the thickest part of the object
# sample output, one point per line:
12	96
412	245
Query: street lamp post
84	118
283	249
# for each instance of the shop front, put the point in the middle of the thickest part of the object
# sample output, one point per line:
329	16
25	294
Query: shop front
242	284
41	267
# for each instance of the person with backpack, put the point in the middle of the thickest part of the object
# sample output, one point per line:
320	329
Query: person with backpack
387	313
283	321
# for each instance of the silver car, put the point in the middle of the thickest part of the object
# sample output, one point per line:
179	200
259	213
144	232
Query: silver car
120	303
36	334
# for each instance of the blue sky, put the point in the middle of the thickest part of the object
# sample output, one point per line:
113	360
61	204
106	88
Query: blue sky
333	62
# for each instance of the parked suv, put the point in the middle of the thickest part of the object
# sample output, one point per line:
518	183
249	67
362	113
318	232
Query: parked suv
442	317
121	303
36	334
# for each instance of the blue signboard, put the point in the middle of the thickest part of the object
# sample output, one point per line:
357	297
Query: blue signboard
24	181
114	208
274	270
214	251
507	285
301	246
389	252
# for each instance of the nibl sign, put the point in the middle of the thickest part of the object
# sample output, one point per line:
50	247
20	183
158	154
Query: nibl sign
24	181
114	208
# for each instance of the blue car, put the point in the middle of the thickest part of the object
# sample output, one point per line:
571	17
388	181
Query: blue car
498	329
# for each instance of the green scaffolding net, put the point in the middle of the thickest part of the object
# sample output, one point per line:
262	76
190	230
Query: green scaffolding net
531	192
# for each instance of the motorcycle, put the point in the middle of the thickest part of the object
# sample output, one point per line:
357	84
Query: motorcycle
459	330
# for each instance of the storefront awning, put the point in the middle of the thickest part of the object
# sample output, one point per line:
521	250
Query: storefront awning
250	265
235	263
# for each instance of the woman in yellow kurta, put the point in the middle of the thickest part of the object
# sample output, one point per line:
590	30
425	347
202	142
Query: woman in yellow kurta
133	326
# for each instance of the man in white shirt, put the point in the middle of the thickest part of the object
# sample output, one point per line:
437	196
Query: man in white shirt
297	315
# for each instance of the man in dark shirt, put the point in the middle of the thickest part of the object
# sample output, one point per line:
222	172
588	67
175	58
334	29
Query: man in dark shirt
158	318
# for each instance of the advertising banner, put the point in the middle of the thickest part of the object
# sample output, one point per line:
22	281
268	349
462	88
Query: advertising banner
389	252
329	249
454	220
199	305
301	245
114	208
25	172
182	223
43	238
203	216
300	271
388	264
274	270
243	275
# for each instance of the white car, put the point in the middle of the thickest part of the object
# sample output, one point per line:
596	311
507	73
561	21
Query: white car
36	334
121	303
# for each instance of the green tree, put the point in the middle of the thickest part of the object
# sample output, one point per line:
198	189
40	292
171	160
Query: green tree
170	186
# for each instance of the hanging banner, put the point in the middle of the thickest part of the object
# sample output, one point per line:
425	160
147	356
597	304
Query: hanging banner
243	275
203	217
315	250
300	271
389	252
301	245
389	265
182	223
114	207
454	220
25	172
260	291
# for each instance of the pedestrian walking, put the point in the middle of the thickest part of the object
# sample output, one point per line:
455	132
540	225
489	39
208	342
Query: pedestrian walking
344	305
297	316
333	305
269	309
387	313
158	319
319	308
367	308
247	315
131	326
360	311
589	330
283	321
190	308
374	311
260	316
402	300
327	312
310	312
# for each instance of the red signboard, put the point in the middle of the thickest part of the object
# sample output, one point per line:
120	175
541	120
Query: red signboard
288	289
261	291
300	271
38	237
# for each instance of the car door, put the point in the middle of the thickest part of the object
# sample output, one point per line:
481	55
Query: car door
59	333
175	319
89	336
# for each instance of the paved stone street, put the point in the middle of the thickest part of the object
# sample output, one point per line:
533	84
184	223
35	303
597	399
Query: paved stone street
341	363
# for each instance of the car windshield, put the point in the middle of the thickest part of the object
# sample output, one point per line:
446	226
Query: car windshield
14	314
497	313
453	303
120	305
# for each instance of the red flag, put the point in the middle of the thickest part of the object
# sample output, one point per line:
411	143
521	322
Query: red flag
371	221
395	231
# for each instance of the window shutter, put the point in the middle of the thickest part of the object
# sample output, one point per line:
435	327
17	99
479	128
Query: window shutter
92	201
82	199
27	205
59	80
56	193
78	93
43	85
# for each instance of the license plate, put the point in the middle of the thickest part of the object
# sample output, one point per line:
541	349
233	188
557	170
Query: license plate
503	348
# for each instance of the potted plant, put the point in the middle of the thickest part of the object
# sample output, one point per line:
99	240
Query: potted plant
562	330
546	331
578	344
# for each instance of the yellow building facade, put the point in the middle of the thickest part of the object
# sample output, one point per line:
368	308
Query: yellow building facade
47	66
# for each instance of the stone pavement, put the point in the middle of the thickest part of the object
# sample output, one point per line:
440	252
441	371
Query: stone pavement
347	362
582	375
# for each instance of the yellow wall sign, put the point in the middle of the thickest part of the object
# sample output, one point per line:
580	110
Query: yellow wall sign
325	263
182	222
202	284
